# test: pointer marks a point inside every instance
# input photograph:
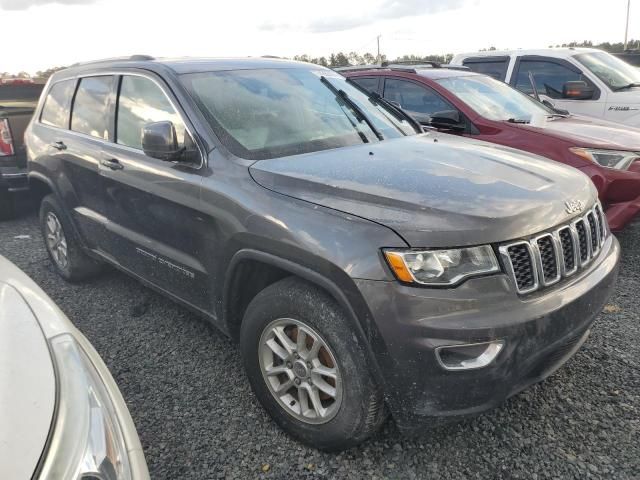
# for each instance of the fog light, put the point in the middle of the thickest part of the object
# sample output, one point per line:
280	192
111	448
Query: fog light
469	356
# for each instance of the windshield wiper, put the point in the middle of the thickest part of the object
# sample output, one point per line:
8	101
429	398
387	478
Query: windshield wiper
629	85
354	106
400	113
518	120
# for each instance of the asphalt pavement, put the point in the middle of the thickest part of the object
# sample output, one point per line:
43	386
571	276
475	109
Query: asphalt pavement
198	419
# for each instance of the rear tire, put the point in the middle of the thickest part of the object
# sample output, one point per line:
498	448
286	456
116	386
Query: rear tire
332	402
61	243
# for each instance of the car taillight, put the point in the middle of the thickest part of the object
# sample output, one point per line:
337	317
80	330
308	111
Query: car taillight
6	141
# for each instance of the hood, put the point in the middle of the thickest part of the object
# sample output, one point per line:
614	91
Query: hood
589	132
434	190
27	395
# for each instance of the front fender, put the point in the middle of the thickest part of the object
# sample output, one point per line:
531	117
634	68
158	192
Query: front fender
333	281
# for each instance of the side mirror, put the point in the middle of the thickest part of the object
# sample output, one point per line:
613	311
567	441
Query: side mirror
422	118
547	103
159	140
577	90
447	120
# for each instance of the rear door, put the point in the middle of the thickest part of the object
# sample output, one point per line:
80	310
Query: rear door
70	159
154	227
90	129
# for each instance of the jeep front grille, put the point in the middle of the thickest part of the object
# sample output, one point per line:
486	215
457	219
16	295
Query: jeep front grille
521	261
583	243
545	259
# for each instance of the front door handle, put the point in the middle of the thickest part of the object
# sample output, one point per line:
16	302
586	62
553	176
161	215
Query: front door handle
112	163
59	145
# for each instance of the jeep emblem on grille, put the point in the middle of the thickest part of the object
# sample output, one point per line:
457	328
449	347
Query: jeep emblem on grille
573	206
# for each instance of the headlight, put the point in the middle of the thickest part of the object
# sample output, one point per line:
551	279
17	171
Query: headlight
87	442
441	267
607	158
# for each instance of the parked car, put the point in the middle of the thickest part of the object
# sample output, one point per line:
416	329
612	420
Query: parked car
584	81
478	106
358	261
18	100
61	412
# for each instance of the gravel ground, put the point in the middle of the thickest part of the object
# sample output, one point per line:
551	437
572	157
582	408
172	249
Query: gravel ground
198	419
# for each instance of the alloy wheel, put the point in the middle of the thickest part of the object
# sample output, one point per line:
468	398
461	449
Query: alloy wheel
300	370
56	240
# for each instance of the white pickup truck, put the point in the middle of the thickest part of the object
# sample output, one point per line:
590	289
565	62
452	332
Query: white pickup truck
584	81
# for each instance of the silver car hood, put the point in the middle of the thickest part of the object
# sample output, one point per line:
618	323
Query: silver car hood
27	387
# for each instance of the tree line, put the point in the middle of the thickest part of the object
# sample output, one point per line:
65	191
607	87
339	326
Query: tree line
606	46
342	59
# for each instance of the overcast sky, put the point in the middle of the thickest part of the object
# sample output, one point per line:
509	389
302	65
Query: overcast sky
38	34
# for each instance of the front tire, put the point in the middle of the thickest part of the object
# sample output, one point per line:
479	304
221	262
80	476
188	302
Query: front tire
307	368
63	248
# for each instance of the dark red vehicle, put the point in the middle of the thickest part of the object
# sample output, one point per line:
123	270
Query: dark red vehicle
466	103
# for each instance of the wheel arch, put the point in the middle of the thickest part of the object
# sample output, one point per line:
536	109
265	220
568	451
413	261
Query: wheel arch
40	186
278	268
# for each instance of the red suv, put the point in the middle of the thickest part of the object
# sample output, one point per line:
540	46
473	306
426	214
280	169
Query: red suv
470	104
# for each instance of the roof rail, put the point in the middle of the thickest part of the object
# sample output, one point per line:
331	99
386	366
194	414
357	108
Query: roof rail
401	67
355	68
417	63
131	58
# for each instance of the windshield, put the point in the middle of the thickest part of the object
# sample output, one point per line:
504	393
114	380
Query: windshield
268	113
616	73
494	99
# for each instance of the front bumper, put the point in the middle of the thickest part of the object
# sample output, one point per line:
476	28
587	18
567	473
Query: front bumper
619	192
541	331
620	214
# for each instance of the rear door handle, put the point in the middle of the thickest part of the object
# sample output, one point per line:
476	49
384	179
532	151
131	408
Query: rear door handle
112	163
59	145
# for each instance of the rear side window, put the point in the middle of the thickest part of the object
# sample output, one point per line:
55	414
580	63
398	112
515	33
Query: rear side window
90	107
368	83
55	111
414	98
494	67
141	101
549	77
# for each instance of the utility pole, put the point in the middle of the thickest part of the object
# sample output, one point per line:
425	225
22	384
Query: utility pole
378	39
626	30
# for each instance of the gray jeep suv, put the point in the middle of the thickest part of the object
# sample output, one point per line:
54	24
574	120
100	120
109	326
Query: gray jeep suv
363	266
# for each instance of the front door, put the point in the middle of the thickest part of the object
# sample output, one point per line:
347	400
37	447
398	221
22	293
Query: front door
550	75
153	205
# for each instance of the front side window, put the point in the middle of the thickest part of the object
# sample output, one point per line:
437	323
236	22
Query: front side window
55	111
414	98
90	107
549	77
615	73
493	99
141	101
268	113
